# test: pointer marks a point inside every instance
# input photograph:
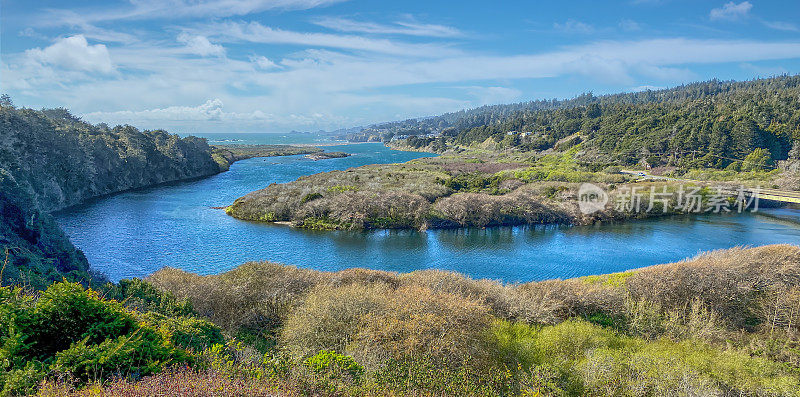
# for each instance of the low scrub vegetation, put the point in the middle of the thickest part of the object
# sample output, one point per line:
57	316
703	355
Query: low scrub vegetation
447	191
225	155
473	189
723	323
69	332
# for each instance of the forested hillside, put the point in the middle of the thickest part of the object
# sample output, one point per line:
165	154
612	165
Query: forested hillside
708	124
62	161
50	159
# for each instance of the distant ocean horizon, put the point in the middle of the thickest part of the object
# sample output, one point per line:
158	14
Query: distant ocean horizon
266	138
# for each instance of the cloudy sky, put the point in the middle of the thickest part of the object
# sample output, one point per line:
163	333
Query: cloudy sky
278	65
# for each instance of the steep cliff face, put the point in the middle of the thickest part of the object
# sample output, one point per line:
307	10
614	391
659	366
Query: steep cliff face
34	252
50	160
61	161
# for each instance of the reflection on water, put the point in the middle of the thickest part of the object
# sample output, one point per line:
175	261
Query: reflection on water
136	233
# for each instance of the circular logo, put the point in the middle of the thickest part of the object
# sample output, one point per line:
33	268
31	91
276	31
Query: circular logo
591	198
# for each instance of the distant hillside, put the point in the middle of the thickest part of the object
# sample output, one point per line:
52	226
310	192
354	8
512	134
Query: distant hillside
714	123
50	159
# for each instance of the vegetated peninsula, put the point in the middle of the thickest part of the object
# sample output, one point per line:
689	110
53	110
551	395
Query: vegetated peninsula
327	155
50	160
225	155
524	163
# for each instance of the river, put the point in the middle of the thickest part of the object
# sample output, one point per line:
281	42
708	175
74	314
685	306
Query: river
135	233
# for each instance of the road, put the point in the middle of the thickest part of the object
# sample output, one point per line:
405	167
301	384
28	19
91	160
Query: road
786	196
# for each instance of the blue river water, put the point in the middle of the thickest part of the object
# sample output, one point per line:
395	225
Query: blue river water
135	233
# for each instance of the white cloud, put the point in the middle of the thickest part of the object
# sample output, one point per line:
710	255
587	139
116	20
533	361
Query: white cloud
173	9
731	11
74	53
211	116
29	32
211	110
778	25
263	62
411	28
346	87
255	32
200	45
573	26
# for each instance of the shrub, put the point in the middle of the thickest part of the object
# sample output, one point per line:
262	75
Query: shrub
66	313
310	197
72	331
330	318
474	182
255	295
731	283
584	359
376	323
418	322
335	366
142	296
189	333
143	352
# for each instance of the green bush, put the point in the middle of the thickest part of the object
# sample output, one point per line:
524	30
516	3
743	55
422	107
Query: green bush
310	197
474	182
584	359
142	296
67	313
73	331
141	353
335	366
190	333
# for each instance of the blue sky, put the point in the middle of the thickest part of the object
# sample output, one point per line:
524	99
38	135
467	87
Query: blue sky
277	65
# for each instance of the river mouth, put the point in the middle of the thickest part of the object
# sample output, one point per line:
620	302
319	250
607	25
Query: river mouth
133	234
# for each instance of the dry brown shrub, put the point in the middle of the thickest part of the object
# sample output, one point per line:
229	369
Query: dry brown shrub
553	301
331	317
418	322
733	283
362	207
695	321
781	312
253	294
500	298
358	275
516	208
175	382
373	323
